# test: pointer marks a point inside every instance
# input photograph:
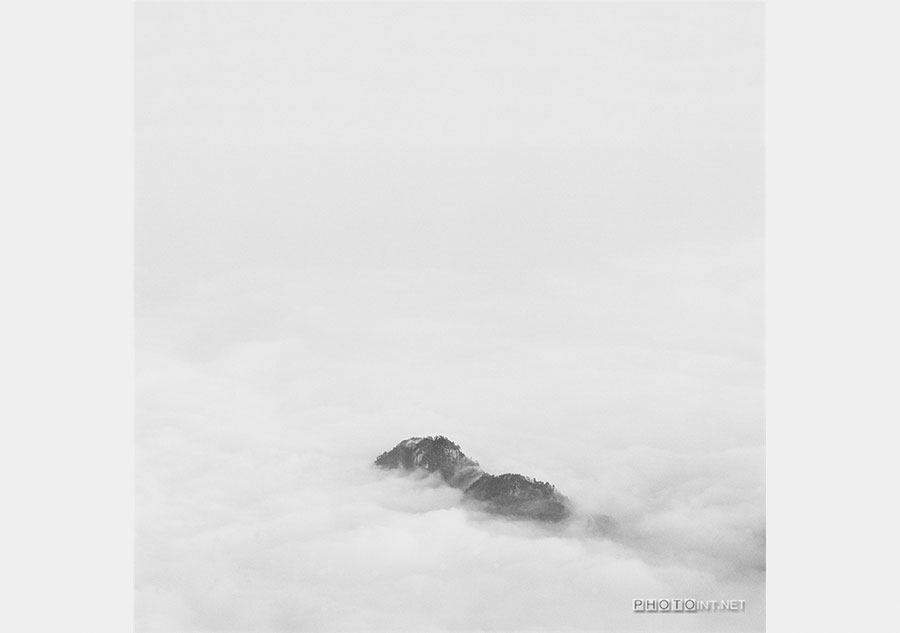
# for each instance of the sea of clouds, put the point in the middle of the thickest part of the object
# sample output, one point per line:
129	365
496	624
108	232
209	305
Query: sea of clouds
264	397
535	228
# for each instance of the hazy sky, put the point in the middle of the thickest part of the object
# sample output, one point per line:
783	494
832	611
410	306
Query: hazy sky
534	228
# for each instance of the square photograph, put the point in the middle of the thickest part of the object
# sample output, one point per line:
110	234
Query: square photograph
449	317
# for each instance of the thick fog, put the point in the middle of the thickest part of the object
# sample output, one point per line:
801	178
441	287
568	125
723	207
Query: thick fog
534	229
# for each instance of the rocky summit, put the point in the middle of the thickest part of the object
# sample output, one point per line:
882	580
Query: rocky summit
510	494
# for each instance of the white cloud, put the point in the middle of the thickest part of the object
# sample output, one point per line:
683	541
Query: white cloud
536	229
259	508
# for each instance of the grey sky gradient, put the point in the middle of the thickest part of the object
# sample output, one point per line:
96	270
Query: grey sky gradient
534	228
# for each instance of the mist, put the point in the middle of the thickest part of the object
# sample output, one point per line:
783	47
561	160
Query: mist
535	230
264	402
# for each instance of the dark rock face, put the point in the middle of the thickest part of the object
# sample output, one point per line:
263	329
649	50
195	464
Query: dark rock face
510	494
435	455
519	496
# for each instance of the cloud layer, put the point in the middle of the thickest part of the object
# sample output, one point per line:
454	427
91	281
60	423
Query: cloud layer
535	228
263	400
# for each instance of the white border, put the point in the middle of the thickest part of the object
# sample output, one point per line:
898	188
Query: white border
832	308
66	458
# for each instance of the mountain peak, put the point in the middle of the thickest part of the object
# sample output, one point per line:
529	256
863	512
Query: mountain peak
435	455
509	494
